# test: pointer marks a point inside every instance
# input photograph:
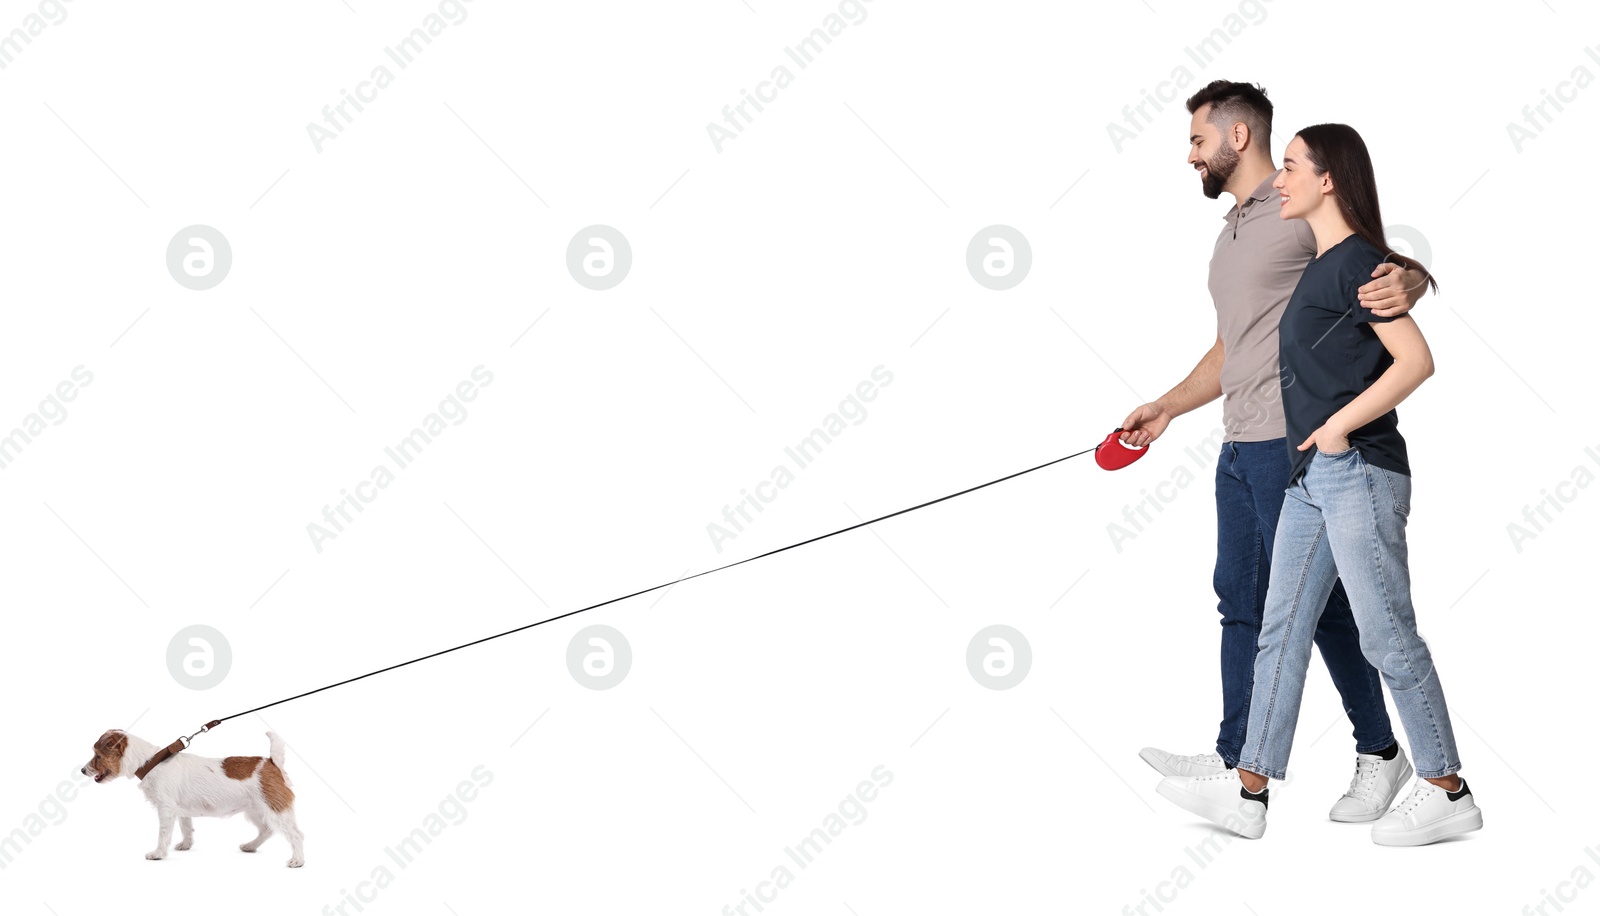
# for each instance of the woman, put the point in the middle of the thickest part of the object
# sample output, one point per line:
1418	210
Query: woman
1344	514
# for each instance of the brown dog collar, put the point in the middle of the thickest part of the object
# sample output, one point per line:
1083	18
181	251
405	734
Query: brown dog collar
160	756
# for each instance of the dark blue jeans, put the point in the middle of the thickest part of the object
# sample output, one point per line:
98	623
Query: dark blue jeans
1252	478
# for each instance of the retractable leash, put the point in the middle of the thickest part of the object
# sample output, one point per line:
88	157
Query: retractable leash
1113	458
1111	454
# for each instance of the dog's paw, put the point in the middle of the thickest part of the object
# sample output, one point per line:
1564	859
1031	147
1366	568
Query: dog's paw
156	854
246	847
296	862
184	845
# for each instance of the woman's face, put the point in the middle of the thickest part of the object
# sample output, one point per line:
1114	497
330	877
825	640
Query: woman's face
1300	189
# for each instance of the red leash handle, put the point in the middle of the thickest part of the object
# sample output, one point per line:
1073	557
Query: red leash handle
1113	454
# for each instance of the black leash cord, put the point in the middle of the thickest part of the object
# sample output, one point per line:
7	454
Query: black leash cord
662	585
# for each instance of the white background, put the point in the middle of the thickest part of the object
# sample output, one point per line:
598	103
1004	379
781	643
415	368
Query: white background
768	280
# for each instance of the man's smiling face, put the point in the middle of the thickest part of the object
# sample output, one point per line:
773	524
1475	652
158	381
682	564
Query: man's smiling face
1213	158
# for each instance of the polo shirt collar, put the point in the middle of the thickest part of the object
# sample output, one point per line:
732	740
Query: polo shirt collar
1262	192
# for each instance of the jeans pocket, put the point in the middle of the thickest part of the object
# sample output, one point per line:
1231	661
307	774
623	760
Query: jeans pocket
1334	454
1399	491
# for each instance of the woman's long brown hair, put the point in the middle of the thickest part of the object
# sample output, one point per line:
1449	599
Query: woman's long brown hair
1339	150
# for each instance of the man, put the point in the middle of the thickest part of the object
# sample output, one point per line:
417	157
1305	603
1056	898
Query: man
1257	261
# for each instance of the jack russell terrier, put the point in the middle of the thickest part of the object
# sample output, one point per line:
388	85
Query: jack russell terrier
185	786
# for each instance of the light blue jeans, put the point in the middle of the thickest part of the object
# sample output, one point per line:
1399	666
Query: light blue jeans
1344	519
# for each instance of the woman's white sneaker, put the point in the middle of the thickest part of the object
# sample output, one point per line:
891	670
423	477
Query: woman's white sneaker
1182	766
1221	799
1373	788
1428	815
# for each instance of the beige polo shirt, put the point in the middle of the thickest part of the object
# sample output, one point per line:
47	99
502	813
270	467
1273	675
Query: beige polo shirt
1257	262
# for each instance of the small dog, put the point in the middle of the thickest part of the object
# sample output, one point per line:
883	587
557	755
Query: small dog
185	786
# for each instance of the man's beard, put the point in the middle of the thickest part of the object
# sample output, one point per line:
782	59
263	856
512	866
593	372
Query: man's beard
1218	170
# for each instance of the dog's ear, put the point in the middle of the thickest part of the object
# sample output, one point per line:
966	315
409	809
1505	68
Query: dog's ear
112	743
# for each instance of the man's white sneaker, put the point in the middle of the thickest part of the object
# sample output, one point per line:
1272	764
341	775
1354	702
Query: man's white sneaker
1373	789
1221	799
1175	765
1428	815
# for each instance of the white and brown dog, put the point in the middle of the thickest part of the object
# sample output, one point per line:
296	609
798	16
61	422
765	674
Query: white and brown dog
186	786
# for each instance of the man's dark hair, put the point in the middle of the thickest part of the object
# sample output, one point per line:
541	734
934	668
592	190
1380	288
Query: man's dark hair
1234	102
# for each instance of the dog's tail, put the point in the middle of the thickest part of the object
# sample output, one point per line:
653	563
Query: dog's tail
279	754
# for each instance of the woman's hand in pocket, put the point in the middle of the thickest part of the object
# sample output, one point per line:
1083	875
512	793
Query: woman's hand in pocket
1327	439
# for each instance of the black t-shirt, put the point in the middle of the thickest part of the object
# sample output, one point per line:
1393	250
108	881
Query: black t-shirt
1330	354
